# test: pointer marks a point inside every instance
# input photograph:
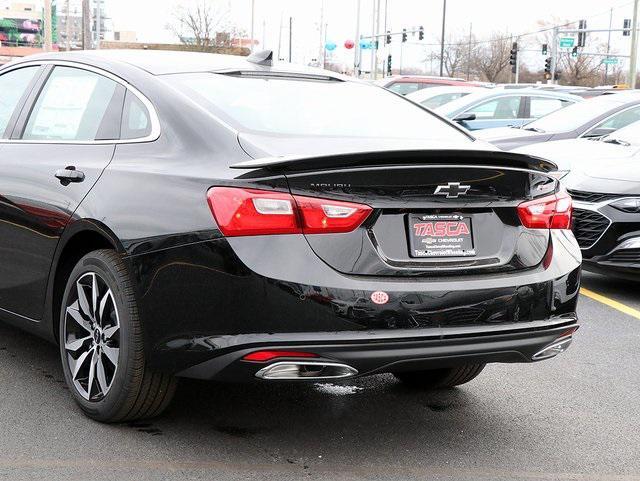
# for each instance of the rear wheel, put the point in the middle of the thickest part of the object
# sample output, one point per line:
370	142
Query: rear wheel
440	378
101	344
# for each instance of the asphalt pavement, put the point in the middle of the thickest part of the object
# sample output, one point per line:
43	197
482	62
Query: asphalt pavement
575	417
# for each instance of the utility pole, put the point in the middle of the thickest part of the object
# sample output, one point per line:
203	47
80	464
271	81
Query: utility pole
375	27
98	23
48	30
554	55
68	25
280	36
253	19
606	66
322	52
86	25
356	53
469	52
290	39
444	21
518	61
386	29
634	47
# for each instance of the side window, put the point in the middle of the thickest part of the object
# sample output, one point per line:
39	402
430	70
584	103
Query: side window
503	108
617	121
136	122
442	99
13	86
76	105
404	88
541	106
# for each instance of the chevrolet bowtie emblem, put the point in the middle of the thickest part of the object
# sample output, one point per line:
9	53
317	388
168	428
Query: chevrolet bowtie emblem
452	190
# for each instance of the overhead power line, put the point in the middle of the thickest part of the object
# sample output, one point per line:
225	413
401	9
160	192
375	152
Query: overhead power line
530	33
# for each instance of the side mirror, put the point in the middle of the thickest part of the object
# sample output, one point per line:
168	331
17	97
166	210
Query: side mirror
464	117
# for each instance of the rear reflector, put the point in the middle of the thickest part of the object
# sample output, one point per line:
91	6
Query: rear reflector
550	212
248	212
262	356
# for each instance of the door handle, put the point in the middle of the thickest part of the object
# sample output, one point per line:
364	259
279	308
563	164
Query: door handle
68	175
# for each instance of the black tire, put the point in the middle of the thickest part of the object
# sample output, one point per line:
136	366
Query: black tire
440	378
134	391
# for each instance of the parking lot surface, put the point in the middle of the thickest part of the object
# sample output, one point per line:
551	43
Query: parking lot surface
571	418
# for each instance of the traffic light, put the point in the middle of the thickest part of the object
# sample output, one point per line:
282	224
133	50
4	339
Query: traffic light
388	37
421	33
389	66
547	66
404	35
574	52
626	25
545	49
582	36
513	59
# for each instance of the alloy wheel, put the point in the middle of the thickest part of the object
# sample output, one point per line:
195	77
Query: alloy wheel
92	336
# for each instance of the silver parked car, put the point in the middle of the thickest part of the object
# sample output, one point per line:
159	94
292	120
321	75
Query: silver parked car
593	118
504	107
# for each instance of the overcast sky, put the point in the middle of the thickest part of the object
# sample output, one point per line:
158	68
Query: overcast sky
150	17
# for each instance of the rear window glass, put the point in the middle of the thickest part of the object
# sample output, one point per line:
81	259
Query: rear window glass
312	108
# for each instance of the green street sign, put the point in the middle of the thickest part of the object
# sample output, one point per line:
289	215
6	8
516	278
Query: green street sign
610	61
567	42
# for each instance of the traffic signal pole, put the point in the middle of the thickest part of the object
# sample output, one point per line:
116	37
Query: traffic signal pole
444	23
634	47
554	55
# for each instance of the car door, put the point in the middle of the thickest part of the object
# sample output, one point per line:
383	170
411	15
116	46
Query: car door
497	112
62	141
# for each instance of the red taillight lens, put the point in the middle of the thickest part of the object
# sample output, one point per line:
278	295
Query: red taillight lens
321	216
245	212
550	212
262	356
248	212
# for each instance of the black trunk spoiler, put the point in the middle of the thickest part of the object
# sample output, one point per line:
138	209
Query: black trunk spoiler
489	158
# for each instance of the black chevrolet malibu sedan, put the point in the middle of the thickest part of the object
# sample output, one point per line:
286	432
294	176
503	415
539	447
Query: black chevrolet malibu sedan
167	215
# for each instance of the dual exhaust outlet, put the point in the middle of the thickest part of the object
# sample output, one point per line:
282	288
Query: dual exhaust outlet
321	370
305	370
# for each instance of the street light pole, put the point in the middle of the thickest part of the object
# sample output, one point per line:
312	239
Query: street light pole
48	30
634	47
98	23
86	25
606	66
253	19
356	48
68	25
444	21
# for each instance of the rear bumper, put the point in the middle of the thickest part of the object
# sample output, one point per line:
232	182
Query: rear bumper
207	300
374	352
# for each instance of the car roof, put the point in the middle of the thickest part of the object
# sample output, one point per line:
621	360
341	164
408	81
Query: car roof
163	62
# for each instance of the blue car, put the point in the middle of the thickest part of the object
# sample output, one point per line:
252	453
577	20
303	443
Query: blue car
486	109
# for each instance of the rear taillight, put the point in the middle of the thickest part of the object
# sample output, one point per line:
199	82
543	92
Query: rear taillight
248	212
262	356
550	212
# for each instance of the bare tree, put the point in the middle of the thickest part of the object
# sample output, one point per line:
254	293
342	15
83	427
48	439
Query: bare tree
490	59
584	70
455	57
204	26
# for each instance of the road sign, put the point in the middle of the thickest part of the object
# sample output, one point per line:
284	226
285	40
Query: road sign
610	61
567	42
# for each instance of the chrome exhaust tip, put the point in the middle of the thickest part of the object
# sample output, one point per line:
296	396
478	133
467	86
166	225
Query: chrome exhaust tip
305	370
553	350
